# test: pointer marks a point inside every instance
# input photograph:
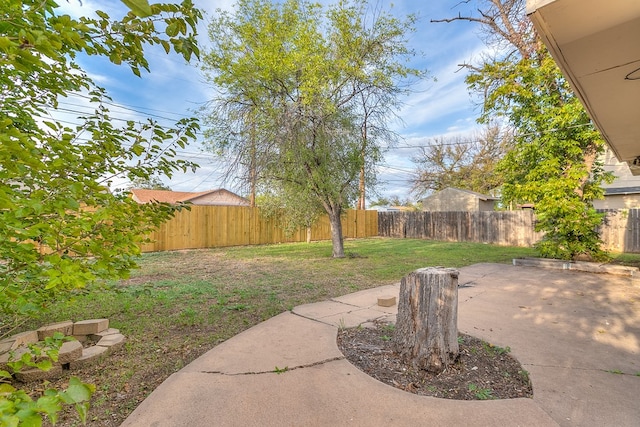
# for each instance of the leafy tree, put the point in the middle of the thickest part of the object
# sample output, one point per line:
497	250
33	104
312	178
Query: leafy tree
289	210
381	201
151	183
395	201
296	84
467	163
60	226
554	161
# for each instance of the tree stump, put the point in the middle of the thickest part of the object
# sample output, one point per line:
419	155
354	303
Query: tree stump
426	332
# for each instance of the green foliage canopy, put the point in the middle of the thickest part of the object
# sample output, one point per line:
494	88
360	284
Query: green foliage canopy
60	226
554	163
555	160
295	82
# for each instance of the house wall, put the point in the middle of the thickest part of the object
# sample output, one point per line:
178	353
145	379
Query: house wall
623	179
220	198
451	200
486	205
618	201
621	171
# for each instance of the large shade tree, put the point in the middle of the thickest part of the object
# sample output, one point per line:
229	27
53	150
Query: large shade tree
304	98
554	163
60	226
469	163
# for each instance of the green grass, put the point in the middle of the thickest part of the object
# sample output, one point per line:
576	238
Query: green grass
631	260
180	304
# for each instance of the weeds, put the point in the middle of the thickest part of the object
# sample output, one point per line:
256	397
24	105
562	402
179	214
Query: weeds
494	349
481	393
389	327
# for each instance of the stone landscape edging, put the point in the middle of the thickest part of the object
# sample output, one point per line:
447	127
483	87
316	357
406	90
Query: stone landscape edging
92	340
584	266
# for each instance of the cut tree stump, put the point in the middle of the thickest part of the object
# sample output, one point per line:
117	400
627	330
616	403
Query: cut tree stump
426	331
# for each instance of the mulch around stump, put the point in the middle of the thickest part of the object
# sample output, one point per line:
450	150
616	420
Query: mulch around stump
481	372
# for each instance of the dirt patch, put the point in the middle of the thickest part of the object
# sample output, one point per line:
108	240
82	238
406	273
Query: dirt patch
482	371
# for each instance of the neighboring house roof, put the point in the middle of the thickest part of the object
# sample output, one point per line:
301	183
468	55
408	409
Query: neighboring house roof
390	208
165	196
617	191
384	209
526	206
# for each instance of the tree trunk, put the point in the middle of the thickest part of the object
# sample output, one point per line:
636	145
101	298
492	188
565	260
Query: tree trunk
426	332
336	232
362	203
253	173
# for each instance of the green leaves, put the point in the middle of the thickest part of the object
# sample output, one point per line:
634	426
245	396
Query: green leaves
554	161
59	223
140	8
60	226
18	408
77	392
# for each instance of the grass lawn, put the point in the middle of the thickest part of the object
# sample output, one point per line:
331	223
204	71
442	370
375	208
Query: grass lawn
180	304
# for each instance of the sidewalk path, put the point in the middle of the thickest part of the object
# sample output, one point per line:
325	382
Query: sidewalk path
578	335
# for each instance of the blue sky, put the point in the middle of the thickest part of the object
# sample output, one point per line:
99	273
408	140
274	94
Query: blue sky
173	89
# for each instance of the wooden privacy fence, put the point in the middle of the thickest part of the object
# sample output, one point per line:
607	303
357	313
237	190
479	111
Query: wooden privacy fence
218	226
620	230
508	228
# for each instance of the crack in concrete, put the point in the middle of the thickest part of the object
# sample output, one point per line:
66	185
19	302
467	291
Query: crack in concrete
383	315
277	370
470	297
319	319
313	319
577	368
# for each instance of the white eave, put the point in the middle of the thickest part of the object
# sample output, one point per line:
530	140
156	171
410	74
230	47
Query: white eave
596	44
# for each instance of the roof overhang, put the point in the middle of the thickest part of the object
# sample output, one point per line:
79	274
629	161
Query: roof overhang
596	44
